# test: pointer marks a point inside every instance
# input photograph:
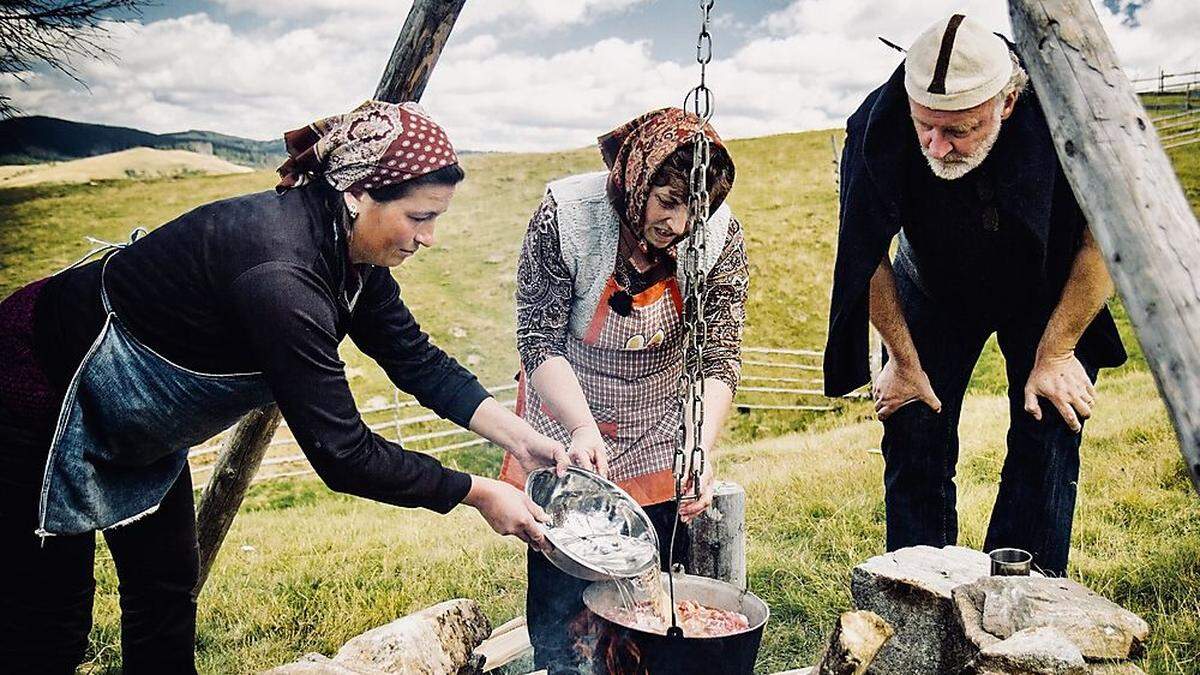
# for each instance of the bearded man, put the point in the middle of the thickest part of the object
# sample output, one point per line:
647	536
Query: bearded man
953	154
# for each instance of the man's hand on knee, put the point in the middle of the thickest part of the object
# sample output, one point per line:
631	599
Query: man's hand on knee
898	385
1061	380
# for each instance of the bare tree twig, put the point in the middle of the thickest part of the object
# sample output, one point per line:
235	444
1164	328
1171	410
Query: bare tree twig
55	34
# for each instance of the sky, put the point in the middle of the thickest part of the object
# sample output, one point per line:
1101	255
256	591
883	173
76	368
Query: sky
532	75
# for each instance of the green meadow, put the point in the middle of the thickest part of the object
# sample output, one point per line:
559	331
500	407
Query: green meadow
304	569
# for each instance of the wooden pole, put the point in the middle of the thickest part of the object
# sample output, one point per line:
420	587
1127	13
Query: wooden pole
718	537
1128	191
404	79
240	456
417	49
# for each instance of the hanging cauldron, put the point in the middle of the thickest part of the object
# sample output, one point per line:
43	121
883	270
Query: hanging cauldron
625	650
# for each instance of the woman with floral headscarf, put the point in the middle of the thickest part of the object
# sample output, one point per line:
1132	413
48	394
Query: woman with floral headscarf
599	333
115	367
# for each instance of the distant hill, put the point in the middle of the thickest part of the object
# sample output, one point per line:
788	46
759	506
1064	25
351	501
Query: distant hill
38	139
136	163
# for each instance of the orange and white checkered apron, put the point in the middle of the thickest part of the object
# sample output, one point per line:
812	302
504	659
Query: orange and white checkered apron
629	368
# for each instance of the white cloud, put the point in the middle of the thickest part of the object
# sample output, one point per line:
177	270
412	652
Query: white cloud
526	15
192	72
808	66
540	14
293	9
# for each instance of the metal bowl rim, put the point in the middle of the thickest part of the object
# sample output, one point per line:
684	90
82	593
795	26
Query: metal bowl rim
615	489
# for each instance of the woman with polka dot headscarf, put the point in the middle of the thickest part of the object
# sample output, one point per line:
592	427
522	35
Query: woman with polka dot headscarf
114	368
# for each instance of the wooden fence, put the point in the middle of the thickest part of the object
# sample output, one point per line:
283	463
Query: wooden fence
774	380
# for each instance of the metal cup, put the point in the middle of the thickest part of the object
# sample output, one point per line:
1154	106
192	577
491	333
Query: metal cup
1011	562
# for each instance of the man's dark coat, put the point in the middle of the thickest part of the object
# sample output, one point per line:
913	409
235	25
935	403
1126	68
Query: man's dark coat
1031	189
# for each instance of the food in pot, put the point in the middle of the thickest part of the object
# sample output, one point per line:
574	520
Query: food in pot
696	620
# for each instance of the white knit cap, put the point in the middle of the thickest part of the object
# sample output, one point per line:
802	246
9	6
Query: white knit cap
957	63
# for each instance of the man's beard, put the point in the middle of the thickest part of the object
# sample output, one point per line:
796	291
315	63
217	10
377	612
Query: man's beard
954	165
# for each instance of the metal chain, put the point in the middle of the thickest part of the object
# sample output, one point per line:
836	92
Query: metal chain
695	328
695	287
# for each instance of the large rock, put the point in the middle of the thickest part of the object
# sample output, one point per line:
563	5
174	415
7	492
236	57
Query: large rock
996	608
912	589
439	640
1034	651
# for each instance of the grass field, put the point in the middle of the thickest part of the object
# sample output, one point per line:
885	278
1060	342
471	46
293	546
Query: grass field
304	569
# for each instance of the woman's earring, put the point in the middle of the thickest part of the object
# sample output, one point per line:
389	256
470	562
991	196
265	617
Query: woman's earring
353	210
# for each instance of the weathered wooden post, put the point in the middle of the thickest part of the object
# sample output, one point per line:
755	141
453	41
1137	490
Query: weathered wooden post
718	536
416	52
1128	191
417	49
241	453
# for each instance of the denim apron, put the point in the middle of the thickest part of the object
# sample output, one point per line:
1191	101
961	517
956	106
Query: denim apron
127	421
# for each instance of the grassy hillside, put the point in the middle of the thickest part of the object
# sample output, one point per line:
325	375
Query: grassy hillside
138	163
304	569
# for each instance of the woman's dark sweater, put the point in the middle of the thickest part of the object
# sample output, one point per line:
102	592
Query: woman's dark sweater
262	283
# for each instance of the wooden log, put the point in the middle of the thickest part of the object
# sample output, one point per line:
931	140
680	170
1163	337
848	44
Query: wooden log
408	70
506	644
1128	191
417	49
718	536
231	475
856	640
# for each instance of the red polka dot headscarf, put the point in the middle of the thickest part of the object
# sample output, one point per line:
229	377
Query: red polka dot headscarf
374	145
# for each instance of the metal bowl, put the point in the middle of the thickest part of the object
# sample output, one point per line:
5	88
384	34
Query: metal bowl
597	530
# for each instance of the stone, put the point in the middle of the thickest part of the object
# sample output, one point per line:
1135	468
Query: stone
912	590
438	640
856	640
996	608
1033	651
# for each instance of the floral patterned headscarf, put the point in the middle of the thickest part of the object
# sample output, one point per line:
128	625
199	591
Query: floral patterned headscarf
374	145
634	151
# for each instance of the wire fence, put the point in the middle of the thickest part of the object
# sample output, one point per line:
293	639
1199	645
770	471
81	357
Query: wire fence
776	380
1178	129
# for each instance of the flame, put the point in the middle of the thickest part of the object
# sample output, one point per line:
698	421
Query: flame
608	648
621	655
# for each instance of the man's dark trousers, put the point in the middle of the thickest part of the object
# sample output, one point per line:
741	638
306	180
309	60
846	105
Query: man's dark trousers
1036	501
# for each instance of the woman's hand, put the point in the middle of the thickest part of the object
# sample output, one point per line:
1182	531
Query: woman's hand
587	449
898	385
689	510
1062	380
533	450
508	511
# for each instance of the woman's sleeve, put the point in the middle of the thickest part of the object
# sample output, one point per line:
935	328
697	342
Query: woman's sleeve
289	324
385	330
544	290
725	310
